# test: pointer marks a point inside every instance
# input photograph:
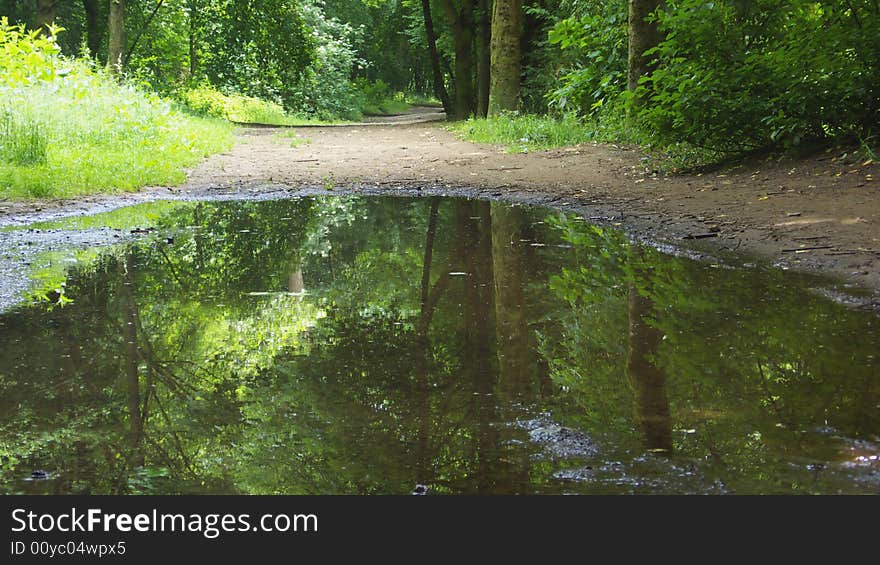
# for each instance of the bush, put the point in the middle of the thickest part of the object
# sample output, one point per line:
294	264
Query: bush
737	76
596	48
325	90
208	101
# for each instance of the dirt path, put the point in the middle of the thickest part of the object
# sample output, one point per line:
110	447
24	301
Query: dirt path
818	214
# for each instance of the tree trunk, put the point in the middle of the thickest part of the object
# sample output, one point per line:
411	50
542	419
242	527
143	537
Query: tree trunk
643	35
464	70
94	32
648	380
462	23
45	15
505	56
484	35
193	26
471	252
116	45
439	84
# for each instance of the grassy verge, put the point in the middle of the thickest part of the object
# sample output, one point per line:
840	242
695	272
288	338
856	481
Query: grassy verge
526	132
67	129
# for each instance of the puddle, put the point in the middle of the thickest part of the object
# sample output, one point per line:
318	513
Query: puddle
387	345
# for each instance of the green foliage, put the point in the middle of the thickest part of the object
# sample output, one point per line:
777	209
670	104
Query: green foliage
28	57
595	47
731	76
69	129
376	98
736	76
259	48
208	101
325	90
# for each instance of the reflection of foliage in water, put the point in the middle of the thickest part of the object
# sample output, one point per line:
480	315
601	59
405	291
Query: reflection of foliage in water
743	374
197	364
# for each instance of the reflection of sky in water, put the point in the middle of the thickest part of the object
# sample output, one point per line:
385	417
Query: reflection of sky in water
366	345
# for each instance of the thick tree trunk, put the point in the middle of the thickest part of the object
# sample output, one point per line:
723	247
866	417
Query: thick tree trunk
505	57
643	35
464	70
116	45
484	35
648	380
94	31
46	14
462	23
439	84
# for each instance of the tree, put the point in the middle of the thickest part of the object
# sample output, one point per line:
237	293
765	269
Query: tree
462	21
116	46
94	30
643	35
439	84
505	56
647	378
483	48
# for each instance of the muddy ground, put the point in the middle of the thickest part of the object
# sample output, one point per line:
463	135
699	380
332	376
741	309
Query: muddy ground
820	213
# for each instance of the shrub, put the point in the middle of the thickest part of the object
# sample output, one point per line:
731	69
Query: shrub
736	76
208	101
595	45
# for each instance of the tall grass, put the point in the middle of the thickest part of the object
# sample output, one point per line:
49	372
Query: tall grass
66	128
23	140
526	132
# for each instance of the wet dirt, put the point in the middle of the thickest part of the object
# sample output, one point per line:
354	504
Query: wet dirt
819	214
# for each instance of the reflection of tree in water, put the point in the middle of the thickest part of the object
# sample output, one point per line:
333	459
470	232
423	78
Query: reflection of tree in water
648	380
200	366
733	361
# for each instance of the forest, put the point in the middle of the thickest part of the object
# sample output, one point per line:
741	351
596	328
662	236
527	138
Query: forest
698	81
445	246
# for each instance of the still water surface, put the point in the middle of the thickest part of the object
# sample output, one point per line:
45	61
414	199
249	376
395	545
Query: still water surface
367	345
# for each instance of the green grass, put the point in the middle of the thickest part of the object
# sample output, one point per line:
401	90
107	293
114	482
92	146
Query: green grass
67	129
416	99
526	132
